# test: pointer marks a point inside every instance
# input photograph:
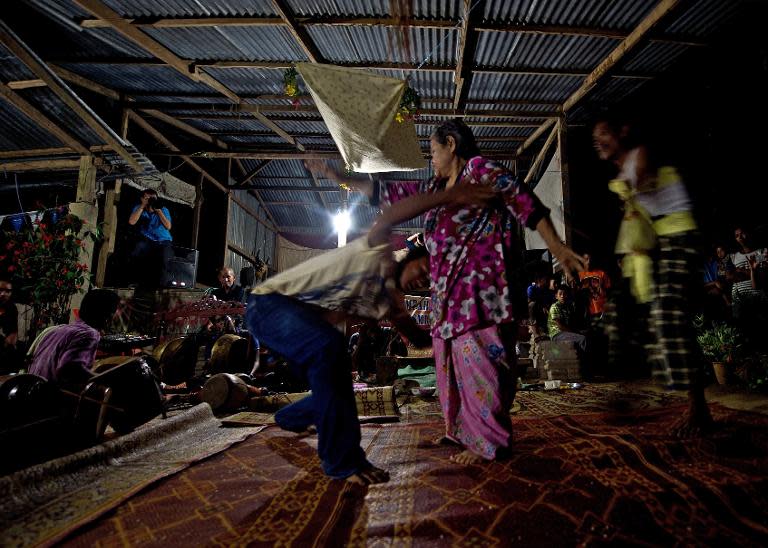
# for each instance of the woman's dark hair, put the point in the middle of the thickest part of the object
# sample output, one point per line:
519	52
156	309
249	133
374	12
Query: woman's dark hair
466	147
98	307
564	288
412	255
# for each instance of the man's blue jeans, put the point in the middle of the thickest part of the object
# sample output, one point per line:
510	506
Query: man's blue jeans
318	353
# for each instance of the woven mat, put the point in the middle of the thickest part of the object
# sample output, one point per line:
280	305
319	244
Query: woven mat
41	504
592	398
588	479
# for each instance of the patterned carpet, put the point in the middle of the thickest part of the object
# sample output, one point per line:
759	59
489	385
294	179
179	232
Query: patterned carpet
43	503
592	479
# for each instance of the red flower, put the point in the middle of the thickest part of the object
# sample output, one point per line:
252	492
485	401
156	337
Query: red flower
11	268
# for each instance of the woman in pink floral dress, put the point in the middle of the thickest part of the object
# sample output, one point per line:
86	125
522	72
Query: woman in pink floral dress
471	251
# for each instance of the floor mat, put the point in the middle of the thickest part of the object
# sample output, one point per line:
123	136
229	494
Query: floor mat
582	479
43	503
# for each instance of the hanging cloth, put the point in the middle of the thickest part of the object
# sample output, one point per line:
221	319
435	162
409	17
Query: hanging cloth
359	109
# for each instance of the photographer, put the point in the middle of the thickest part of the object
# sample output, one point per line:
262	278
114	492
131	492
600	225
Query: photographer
153	244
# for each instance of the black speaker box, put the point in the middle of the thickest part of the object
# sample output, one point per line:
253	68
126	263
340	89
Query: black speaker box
181	268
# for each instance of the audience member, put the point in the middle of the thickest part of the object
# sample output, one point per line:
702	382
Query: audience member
560	321
152	249
228	290
749	303
64	354
540	299
595	283
9	329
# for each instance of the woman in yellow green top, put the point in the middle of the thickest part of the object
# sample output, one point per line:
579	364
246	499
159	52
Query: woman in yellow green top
658	227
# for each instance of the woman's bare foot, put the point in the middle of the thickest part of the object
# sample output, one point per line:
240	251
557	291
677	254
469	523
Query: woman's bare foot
467	457
444	440
369	476
698	420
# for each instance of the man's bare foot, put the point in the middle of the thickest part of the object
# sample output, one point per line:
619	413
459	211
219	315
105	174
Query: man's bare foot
467	457
369	476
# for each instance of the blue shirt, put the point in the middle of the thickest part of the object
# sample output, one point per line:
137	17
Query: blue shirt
541	295
152	228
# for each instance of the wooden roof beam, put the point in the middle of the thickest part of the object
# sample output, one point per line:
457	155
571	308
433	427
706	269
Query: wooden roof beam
299	34
185	67
162	139
42	120
535	135
462	78
641	32
38	165
488	26
187	128
65	94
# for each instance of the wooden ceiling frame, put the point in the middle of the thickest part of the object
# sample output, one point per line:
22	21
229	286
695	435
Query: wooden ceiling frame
43	121
465	58
490	26
27	56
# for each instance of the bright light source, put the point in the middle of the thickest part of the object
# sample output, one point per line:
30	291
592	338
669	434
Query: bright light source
342	222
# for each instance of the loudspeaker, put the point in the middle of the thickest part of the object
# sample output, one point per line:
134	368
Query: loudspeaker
180	269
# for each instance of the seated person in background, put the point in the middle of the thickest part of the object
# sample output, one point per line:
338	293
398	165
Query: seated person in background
152	250
395	344
595	283
64	354
9	329
540	298
364	347
228	290
560	321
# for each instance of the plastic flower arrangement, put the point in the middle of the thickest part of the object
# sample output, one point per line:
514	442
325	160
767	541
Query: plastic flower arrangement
45	261
410	104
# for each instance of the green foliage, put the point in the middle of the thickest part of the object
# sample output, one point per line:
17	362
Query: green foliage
719	342
44	260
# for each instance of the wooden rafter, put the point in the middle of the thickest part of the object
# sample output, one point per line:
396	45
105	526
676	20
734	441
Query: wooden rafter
298	32
410	67
462	78
542	154
83	82
628	44
535	135
245	21
251	174
187	68
183	126
38	165
42	120
162	139
65	94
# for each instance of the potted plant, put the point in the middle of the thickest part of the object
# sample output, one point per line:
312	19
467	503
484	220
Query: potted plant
45	260
720	343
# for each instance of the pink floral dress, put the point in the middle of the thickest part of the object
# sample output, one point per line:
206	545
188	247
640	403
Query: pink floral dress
470	250
470	246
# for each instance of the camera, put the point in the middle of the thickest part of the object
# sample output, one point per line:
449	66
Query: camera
153	202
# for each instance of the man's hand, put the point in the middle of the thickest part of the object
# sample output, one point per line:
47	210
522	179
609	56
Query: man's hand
472	194
571	262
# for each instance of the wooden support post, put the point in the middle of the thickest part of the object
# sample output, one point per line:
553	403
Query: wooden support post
109	231
226	227
562	145
86	180
198	209
124	119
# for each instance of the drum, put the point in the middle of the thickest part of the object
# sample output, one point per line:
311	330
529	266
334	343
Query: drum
177	359
225	392
135	393
25	399
230	355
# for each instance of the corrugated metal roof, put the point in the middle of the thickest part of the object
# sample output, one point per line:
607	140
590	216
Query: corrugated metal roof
249	80
12	68
614	14
53	107
521	87
191	8
21	133
130	78
446	9
237	43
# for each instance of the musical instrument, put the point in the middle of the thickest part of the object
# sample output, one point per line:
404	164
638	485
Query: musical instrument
134	393
177	359
226	392
26	398
124	343
230	355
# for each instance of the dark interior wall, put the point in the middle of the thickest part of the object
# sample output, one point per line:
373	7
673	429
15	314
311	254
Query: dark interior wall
709	118
213	231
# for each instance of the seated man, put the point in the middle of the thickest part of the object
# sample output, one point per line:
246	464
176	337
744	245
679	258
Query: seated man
152	250
9	329
228	290
294	313
560	320
64	354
